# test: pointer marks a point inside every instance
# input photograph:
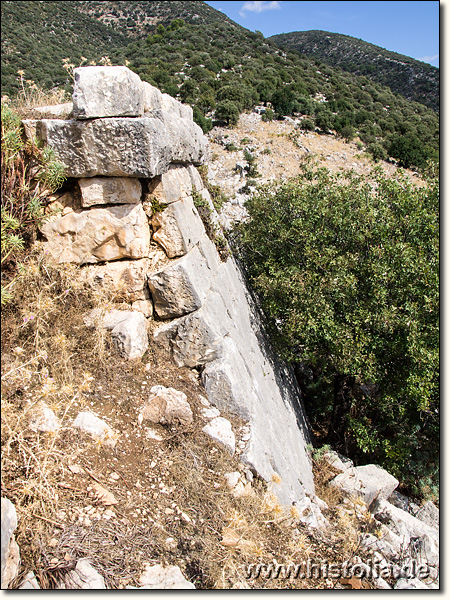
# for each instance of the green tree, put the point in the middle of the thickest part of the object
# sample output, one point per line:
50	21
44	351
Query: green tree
409	151
348	133
283	101
348	276
227	112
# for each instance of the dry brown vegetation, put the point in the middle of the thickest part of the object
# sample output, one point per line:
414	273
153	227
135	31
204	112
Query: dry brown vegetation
172	501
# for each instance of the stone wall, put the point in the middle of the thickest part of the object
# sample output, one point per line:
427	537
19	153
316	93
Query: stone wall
132	220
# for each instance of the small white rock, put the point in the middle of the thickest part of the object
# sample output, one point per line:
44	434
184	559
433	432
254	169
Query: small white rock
220	430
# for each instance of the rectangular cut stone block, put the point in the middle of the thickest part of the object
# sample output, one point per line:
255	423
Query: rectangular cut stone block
109	190
107	92
188	143
57	111
128	277
111	147
368	481
154	100
177	183
99	234
178	227
181	287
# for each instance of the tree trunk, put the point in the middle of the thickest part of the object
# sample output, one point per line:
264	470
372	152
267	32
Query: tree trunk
337	436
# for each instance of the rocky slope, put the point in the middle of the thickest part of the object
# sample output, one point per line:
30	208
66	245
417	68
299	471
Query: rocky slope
279	149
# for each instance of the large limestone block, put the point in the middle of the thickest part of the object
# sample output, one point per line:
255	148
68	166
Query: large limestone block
178	228
126	147
176	184
227	381
369	481
107	92
56	111
154	100
128	277
410	529
197	340
109	190
188	143
99	234
181	287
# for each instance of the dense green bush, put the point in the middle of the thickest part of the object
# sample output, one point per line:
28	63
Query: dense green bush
348	277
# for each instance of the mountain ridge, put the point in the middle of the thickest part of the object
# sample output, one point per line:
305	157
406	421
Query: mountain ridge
415	80
201	57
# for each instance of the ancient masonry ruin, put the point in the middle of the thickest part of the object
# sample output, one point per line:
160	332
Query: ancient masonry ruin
133	221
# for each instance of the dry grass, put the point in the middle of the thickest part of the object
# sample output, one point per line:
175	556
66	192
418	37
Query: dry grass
31	96
173	503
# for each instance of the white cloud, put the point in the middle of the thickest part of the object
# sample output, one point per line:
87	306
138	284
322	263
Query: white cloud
428	58
258	7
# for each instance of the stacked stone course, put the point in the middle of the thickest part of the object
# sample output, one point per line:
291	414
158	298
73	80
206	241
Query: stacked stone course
133	149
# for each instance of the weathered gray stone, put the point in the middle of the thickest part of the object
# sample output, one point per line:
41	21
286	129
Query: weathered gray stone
83	577
175	184
126	147
188	143
128	277
166	406
369	481
374	544
310	515
410	584
338	461
399	500
99	234
409	529
130	336
55	111
107	92
220	430
10	557
44	419
159	577
129	329
178	228
429	514
197	340
154	100
109	190
105	318
181	287
89	423
246	379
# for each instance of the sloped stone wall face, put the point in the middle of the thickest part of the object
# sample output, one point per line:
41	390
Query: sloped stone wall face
133	221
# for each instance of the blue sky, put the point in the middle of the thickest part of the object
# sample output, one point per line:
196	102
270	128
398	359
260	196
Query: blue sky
406	27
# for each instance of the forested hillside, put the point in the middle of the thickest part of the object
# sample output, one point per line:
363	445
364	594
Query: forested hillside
414	79
195	53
